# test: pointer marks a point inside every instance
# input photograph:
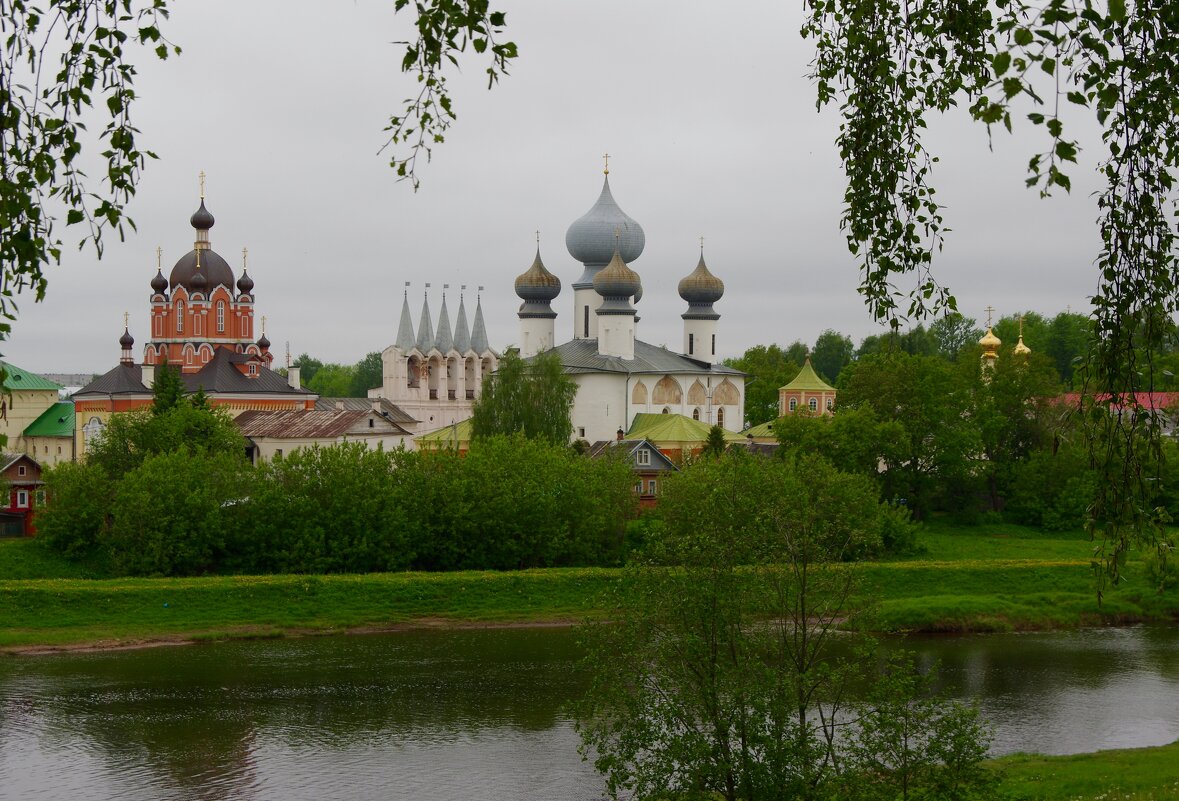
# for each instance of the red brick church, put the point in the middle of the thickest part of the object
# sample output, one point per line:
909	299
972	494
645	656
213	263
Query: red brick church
202	321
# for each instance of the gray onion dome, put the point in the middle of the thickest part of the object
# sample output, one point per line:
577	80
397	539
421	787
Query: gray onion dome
591	238
159	284
245	284
700	287
201	219
126	340
617	283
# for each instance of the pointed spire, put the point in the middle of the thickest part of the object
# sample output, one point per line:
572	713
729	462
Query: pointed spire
479	330
425	327
405	327
444	341
462	332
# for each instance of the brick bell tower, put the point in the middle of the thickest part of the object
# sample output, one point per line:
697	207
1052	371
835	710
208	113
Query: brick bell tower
199	308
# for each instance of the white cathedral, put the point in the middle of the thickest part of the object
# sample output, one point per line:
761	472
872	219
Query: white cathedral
437	376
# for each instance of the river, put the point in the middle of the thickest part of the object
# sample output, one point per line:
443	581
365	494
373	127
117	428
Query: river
469	714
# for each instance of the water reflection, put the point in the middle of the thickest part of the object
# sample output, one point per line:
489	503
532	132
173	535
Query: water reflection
468	714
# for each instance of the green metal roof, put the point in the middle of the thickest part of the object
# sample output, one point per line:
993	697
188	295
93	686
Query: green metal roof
808	380
662	428
762	430
56	421
450	435
22	379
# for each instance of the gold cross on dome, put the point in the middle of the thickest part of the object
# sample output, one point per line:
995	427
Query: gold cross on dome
159	258
126	320
538	237
607	158
1021	326
245	255
701	243
989	310
202	177
263	323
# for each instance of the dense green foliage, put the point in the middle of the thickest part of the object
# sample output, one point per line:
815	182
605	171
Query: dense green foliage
769	367
717	676
330	380
531	397
509	503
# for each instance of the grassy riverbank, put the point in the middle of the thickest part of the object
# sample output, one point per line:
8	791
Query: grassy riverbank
1134	774
968	579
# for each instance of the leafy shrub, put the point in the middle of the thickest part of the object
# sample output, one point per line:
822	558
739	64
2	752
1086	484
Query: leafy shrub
79	501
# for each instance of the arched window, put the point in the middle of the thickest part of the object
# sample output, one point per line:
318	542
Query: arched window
220	317
814	404
720	416
696	414
666	410
793	404
179	316
830	404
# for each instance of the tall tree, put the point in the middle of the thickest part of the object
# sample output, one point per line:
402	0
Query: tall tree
368	374
714	680
832	351
533	398
952	333
167	389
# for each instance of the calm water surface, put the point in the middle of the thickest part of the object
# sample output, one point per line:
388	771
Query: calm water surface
468	714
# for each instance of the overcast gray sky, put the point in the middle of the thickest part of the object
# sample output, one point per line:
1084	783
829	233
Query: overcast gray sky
704	108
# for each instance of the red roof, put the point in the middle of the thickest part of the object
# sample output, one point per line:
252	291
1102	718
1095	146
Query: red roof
1154	401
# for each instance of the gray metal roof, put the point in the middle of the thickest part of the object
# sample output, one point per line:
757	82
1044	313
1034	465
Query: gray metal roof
405	339
218	376
425	327
581	356
479	332
304	423
389	410
444	340
462	331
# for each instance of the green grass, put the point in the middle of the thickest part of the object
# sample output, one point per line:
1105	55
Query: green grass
986	578
1135	774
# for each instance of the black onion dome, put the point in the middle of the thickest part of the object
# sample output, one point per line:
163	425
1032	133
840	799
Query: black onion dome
538	284
202	219
199	283
263	342
700	287
159	284
126	340
213	268
617	280
245	284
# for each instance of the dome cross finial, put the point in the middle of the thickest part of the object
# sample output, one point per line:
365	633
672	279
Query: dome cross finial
989	310
606	171
201	175
263	324
159	258
702	244
245	258
538	237
126	320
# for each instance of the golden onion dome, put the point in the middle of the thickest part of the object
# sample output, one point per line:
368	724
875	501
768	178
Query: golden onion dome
537	283
617	280
1020	348
989	341
700	287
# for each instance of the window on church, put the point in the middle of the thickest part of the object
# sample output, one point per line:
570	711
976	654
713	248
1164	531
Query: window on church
179	316
666	410
220	317
691	344
254	370
695	414
586	323
793	404
581	432
643	458
814	404
830	404
714	344
720	416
